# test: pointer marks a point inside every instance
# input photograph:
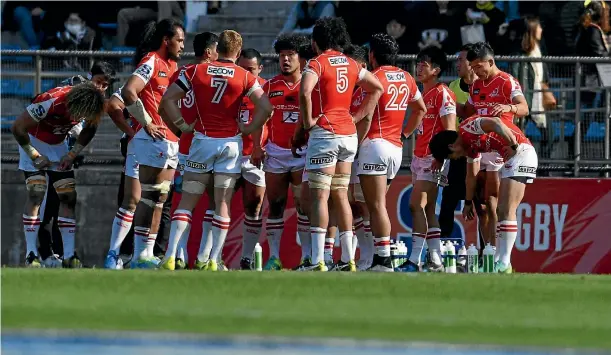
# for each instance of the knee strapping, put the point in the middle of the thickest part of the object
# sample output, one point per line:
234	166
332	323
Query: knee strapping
358	193
340	181
319	180
36	184
224	181
193	187
163	187
65	186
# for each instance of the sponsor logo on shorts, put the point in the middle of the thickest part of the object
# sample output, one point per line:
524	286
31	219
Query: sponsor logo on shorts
222	71
527	169
275	94
162	74
337	61
373	167
196	165
318	161
499	161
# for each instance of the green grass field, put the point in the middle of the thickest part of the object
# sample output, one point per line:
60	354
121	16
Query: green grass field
542	310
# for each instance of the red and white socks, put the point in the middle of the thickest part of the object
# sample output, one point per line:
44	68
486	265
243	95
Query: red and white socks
179	229
417	245
382	246
67	227
508	232
433	242
274	228
251	231
318	244
345	240
31	226
141	235
220	228
303	230
120	228
205	245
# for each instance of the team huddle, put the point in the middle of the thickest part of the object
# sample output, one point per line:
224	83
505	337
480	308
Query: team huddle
325	127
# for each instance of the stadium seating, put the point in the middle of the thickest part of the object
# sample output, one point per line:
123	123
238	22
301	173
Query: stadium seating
24	87
125	60
596	131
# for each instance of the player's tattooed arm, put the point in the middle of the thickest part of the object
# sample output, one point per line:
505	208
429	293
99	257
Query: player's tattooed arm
308	81
418	110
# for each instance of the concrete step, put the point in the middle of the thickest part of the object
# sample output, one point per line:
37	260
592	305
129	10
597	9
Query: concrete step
268	8
241	23
260	41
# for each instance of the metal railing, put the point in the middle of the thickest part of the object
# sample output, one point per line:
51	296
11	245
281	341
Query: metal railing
576	137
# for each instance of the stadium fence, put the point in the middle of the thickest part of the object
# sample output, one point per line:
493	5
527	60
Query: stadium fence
577	130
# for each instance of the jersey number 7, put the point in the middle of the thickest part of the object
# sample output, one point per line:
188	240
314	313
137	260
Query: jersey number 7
220	85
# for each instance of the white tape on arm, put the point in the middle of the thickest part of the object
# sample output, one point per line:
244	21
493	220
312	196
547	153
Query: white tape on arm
139	113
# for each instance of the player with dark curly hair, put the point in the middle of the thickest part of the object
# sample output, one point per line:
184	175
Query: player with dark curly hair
381	151
282	168
41	131
477	135
327	85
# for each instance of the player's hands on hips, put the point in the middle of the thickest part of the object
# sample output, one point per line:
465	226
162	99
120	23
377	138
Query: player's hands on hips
41	162
257	156
66	162
508	152
499	109
154	131
467	212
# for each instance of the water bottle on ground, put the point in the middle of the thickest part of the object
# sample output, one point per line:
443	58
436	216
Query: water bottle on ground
488	258
258	258
472	259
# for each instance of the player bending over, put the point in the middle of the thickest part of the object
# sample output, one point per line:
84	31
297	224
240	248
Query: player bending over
494	93
41	132
477	135
218	89
440	115
327	85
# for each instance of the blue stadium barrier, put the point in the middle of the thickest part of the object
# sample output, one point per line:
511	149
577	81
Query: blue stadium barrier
596	132
126	60
531	131
7	122
24	87
14	58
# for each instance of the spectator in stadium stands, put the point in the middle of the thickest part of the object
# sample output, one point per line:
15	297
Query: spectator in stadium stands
438	24
143	12
536	79
397	29
592	42
489	16
73	35
304	15
357	13
24	17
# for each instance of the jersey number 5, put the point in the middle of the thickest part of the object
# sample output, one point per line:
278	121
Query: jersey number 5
220	85
393	104
342	80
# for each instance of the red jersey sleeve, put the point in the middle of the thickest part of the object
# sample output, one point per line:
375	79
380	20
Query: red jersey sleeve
185	77
252	84
446	103
146	69
414	92
313	66
43	106
512	88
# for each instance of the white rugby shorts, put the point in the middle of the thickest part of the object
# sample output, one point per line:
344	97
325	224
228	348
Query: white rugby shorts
421	170
379	157
524	164
220	155
54	152
280	160
325	149
158	153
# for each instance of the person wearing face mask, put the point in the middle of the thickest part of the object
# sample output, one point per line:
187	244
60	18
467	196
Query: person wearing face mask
74	35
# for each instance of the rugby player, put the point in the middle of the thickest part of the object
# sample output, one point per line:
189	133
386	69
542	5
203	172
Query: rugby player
494	94
252	175
381	152
204	46
440	115
282	169
218	90
478	135
102	75
154	146
327	85
360	213
41	132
